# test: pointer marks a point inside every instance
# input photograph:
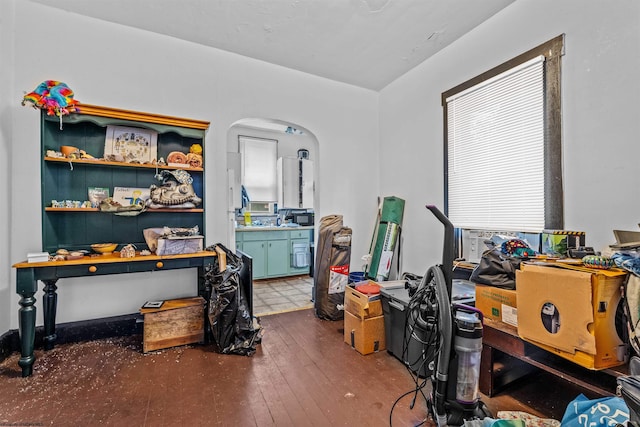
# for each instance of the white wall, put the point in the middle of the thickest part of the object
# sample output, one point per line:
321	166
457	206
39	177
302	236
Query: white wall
7	104
402	138
288	144
600	117
106	64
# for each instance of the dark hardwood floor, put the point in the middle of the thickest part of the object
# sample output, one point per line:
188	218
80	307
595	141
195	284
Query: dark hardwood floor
302	374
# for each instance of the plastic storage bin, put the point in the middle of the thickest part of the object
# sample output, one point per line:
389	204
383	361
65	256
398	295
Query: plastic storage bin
356	276
395	303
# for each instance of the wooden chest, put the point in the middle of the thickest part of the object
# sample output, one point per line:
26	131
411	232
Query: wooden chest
176	322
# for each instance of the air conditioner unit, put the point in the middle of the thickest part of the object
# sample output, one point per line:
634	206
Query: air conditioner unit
473	241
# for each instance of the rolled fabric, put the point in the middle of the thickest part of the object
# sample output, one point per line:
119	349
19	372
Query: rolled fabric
177	157
194	160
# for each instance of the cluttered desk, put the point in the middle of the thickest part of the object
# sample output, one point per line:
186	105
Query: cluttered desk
565	316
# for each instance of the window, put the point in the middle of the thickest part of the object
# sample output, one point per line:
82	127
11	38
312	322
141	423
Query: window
503	166
259	158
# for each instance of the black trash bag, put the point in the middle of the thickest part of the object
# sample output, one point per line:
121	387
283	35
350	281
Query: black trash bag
232	327
496	269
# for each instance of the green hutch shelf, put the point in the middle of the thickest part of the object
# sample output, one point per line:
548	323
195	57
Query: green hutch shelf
64	179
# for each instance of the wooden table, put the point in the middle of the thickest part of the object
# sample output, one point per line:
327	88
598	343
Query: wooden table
506	357
28	274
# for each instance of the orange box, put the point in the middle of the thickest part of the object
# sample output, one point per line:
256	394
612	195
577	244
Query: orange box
497	304
361	305
571	311
365	335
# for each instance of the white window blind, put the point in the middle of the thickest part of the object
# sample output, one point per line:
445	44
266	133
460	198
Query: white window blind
259	158
495	151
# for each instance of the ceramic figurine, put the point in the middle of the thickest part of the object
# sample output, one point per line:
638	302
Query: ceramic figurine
176	191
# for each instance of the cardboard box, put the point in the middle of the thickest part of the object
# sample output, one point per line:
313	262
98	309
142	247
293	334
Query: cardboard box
361	305
497	304
571	311
176	322
179	245
365	335
558	242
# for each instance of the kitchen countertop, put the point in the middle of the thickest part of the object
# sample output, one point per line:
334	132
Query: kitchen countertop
271	228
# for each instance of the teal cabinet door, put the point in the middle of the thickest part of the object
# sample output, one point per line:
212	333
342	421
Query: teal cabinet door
277	258
276	253
257	251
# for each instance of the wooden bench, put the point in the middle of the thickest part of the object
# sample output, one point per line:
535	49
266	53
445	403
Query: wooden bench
506	357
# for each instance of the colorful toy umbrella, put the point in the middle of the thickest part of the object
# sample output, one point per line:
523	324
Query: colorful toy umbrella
54	96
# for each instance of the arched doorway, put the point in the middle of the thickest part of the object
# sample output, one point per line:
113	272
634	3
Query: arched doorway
277	143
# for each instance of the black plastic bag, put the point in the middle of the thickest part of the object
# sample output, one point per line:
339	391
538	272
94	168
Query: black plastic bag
496	269
333	255
232	327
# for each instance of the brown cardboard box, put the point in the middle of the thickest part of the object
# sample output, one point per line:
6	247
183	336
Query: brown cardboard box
176	322
365	335
571	312
361	305
497	304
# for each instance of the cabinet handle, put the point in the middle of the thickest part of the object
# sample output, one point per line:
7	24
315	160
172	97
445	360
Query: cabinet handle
93	269
159	264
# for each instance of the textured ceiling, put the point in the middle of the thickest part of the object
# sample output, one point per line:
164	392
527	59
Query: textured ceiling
367	43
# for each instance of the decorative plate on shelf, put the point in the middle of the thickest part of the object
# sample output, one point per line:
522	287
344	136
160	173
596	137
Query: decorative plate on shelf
135	145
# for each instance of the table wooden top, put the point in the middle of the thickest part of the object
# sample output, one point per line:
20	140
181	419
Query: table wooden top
110	259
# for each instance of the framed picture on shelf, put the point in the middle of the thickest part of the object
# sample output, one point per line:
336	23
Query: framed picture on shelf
131	145
128	196
97	195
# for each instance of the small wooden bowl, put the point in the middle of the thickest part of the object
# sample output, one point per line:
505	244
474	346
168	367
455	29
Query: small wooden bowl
104	248
68	150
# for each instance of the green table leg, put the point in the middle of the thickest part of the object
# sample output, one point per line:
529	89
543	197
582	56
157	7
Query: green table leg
26	287
49	304
27	330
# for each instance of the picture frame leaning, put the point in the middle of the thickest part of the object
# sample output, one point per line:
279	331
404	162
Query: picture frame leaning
130	144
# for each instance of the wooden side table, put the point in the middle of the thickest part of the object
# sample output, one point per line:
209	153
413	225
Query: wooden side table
28	274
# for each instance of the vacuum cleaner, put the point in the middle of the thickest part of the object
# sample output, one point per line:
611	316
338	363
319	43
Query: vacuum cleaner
454	359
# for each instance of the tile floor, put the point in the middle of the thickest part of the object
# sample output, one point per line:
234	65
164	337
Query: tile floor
271	296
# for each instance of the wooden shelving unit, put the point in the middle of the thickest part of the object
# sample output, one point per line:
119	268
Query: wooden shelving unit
69	179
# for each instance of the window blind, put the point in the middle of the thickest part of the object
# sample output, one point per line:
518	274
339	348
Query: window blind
495	151
259	158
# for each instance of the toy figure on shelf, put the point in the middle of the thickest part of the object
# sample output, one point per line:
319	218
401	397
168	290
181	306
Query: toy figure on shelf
176	191
128	251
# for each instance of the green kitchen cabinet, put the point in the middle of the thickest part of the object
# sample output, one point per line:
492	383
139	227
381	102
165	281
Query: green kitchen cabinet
268	250
257	251
276	252
277	259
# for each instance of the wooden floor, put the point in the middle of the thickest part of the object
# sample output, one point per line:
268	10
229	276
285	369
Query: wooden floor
302	374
